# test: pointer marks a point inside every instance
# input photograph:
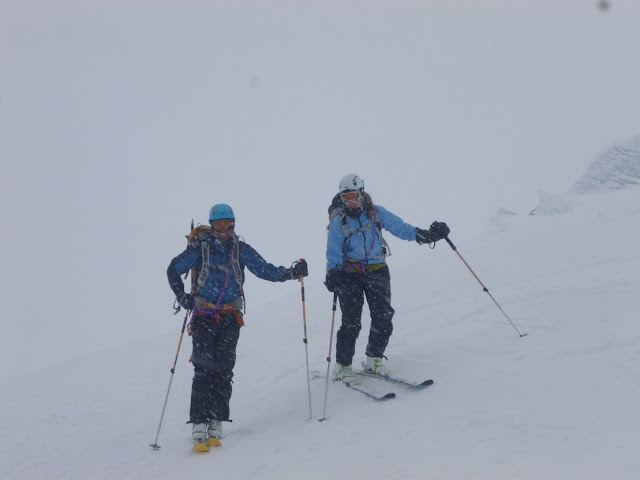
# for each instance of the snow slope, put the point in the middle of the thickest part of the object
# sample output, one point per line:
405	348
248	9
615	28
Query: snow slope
562	402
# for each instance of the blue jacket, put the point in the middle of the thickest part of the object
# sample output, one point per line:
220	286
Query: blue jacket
219	255
356	247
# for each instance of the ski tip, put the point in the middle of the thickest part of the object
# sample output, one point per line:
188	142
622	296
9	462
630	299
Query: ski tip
423	385
388	396
200	448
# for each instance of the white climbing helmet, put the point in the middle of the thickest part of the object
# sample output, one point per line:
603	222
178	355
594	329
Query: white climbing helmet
351	183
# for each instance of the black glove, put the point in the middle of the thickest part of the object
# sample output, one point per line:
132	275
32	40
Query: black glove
300	268
186	301
334	280
423	236
437	231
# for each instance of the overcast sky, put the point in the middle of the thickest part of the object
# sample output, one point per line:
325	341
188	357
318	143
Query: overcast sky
121	121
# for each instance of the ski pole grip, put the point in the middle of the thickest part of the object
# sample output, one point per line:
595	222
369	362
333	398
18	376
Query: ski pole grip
453	247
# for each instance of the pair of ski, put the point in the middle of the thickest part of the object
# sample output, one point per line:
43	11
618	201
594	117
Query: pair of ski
410	384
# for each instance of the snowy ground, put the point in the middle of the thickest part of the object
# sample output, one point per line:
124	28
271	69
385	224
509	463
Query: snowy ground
562	402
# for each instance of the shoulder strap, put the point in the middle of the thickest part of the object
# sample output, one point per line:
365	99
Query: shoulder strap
345	225
386	251
206	267
235	261
204	270
237	270
333	213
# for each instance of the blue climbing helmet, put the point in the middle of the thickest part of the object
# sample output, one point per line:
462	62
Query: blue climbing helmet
221	211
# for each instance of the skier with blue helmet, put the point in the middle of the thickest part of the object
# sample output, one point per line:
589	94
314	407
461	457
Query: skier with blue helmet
357	267
218	259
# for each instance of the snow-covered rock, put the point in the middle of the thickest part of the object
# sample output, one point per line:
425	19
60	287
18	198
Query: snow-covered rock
553	204
617	167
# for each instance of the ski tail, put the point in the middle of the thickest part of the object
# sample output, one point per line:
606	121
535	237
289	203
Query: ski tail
358	388
412	384
369	393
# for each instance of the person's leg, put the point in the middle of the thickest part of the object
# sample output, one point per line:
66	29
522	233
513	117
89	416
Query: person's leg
351	301
377	288
214	356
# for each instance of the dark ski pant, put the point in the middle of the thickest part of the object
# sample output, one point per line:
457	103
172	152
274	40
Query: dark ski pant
213	358
376	286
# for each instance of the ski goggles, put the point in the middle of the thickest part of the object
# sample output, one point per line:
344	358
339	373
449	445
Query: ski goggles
350	196
223	225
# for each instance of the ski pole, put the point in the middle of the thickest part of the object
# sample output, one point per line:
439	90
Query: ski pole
482	285
326	387
306	346
155	445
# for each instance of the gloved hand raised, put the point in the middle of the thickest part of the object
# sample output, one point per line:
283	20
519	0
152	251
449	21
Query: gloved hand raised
300	268
437	231
334	280
186	301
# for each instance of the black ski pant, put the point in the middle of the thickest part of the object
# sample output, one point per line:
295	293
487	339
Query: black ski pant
213	358
376	286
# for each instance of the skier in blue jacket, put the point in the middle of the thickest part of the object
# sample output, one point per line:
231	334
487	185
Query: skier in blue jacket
217	301
356	267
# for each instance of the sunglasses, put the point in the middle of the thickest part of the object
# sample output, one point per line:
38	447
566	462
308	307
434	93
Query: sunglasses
223	225
350	196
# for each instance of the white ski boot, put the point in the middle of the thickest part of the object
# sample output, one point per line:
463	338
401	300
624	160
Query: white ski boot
375	365
215	429
206	435
199	433
344	373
